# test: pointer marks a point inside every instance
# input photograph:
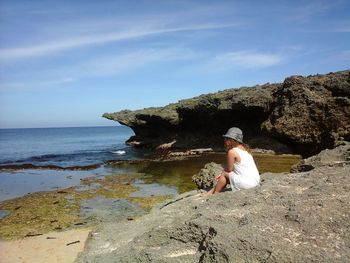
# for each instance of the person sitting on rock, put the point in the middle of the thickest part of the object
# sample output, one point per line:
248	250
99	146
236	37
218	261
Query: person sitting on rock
241	171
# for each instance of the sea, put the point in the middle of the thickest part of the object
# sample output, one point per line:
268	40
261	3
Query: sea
35	162
73	146
62	148
47	159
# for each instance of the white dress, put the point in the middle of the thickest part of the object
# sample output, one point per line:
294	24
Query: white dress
245	174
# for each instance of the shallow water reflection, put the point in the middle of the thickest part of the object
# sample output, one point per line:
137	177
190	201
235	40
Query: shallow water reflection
178	173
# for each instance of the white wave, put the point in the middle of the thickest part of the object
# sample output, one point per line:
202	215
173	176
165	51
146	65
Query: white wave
119	152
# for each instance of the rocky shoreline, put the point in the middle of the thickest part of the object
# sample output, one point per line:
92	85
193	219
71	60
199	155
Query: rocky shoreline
301	216
116	190
302	115
292	217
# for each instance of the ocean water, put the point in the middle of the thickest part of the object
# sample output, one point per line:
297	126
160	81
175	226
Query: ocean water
64	147
85	146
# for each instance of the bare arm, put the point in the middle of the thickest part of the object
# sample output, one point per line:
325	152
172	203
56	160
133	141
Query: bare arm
231	159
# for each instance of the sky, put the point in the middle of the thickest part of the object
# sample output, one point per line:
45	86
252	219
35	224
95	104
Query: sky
65	63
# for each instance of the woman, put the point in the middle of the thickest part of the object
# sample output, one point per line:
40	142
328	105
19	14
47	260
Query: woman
241	171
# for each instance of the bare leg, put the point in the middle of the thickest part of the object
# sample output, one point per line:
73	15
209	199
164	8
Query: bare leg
221	184
210	192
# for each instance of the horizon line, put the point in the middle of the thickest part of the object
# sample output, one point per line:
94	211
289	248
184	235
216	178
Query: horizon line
61	127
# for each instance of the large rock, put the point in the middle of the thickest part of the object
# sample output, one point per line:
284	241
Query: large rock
313	113
204	179
199	122
339	156
302	115
299	217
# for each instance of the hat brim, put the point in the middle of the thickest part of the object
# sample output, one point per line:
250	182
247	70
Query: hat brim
231	137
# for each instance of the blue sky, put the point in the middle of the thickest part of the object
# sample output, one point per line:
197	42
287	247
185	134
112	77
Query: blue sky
65	63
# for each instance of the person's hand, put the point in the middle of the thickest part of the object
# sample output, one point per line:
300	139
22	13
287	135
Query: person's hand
218	176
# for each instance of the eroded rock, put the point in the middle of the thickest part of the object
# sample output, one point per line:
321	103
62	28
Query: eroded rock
205	178
302	115
339	156
297	217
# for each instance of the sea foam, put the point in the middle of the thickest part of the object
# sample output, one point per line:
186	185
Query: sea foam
119	152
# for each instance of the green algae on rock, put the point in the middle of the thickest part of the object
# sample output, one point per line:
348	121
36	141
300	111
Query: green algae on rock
41	212
120	186
179	173
38	213
291	217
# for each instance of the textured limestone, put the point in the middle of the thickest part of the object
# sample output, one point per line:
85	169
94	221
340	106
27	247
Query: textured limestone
303	115
313	113
205	178
339	156
295	217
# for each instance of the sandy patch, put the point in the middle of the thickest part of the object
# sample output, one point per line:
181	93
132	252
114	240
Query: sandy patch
51	247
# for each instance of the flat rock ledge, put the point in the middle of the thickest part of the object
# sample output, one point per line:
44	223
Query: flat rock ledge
291	217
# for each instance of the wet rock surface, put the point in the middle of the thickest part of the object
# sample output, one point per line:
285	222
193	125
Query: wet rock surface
4	213
98	199
302	115
109	209
291	217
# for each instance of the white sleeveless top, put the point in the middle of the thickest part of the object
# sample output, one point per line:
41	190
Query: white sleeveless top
245	174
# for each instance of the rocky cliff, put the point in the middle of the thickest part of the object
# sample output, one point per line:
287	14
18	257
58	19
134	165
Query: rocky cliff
302	114
295	217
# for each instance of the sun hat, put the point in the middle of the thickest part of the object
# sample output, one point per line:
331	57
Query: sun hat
234	133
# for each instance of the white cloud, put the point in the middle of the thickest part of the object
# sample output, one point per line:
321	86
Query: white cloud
246	59
111	65
123	63
137	32
35	84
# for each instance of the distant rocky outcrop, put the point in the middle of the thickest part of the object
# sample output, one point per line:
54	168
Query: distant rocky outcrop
296	217
302	115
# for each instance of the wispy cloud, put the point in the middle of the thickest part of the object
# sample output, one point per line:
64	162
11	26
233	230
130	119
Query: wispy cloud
35	84
304	13
111	65
245	59
126	62
60	45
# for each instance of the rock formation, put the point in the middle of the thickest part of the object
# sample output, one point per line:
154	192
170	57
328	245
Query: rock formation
302	115
312	113
296	217
339	156
206	176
